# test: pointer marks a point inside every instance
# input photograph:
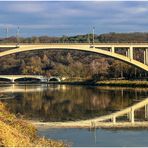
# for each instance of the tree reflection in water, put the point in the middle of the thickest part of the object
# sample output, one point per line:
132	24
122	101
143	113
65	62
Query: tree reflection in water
61	102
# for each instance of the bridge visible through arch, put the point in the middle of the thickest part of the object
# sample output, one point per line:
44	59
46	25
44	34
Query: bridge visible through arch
97	48
13	78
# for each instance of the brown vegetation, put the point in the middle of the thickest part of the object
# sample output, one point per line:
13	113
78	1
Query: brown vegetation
17	132
123	83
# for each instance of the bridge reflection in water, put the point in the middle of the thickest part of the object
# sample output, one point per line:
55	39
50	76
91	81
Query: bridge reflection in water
65	103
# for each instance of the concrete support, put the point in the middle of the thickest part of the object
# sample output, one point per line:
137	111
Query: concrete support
12	80
146	56
44	80
132	116
113	49
146	111
131	53
93	125
114	119
126	54
129	116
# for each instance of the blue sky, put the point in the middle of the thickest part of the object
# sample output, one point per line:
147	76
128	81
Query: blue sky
72	18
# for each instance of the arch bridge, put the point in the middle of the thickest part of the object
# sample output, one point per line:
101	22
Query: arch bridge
13	78
105	49
53	79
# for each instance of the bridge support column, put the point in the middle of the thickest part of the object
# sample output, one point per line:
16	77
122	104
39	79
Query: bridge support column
114	119
113	49
146	111
146	56
130	53
132	116
12	80
127	53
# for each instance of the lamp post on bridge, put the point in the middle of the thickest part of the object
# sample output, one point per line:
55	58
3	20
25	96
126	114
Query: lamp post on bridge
17	35
6	32
88	39
93	38
93	35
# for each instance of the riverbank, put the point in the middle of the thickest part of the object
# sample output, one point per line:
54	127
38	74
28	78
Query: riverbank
118	83
123	83
16	132
83	124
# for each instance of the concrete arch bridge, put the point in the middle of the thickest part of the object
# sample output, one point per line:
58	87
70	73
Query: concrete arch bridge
13	78
105	49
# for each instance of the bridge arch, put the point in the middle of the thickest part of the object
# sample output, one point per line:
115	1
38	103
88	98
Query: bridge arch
85	48
54	79
27	78
14	78
5	79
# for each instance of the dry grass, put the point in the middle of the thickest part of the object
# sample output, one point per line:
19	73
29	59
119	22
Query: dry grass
17	132
127	83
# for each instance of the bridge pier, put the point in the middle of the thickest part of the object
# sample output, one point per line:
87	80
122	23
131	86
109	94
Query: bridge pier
146	111
130	52
146	56
12	80
126	54
129	116
114	119
132	116
113	49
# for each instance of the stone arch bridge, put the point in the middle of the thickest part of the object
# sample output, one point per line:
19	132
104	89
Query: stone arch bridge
105	49
13	78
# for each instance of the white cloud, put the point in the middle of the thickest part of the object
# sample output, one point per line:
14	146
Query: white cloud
109	16
27	7
35	26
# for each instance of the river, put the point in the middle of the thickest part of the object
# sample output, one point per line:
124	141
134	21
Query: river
44	102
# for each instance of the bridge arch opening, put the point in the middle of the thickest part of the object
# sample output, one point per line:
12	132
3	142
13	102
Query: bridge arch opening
54	79
31	80
5	80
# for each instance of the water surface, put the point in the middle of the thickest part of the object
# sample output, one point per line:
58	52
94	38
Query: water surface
63	102
99	137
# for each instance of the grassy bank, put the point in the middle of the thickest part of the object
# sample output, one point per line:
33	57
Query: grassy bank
18	132
123	83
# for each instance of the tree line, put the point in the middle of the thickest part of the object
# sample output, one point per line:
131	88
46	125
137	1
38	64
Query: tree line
112	37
